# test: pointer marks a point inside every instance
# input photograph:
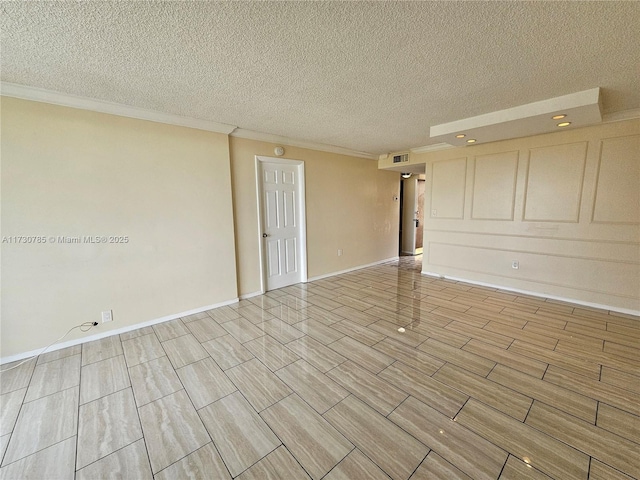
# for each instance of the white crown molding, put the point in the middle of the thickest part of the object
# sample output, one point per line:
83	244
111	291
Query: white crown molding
622	115
431	148
84	103
277	139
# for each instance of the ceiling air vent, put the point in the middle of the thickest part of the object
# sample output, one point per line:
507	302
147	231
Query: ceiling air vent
401	158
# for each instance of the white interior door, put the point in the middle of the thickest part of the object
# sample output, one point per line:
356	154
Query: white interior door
283	243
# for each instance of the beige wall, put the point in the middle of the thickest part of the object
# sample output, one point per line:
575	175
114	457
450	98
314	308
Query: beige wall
565	205
68	172
350	206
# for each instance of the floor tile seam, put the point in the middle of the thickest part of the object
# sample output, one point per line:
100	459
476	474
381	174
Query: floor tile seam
604	402
139	337
176	337
591	397
505	464
151	401
454	387
437	450
620	345
367	402
505	350
105	395
270	371
47	395
142	362
409	394
282	444
109	336
183	389
182	458
575	447
610	466
334	381
141	437
429	449
345	457
583	355
37	357
542	432
37	451
237	390
145	361
293	392
532	356
137	409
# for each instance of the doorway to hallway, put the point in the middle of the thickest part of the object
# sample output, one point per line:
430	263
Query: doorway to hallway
412	215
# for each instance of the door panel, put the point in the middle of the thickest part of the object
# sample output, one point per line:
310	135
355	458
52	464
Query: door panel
273	258
271	210
281	224
289	210
291	254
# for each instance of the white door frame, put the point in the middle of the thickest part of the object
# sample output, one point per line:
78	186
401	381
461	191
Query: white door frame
302	227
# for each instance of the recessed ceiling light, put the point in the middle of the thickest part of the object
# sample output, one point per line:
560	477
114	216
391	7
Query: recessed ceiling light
471	140
564	124
460	135
558	117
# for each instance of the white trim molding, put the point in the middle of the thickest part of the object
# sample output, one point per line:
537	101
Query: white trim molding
84	103
279	140
98	336
333	274
431	148
622	115
535	294
247	296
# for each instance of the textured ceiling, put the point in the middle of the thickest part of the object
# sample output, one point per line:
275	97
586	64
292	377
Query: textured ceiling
371	77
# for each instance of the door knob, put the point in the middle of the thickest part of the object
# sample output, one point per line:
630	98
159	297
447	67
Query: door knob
264	235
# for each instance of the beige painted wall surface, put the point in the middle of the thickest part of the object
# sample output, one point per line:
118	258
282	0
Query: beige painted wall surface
565	205
68	172
350	206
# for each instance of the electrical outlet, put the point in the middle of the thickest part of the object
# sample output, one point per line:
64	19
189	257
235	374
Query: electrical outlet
339	252
107	316
515	265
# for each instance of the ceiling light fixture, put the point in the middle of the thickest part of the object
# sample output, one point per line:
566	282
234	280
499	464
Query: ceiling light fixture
564	124
471	140
461	135
406	175
558	117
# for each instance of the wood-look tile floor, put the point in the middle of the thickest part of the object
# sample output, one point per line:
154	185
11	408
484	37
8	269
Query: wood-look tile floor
378	373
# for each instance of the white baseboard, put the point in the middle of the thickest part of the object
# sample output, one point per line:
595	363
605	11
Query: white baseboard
333	274
536	294
251	295
98	336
